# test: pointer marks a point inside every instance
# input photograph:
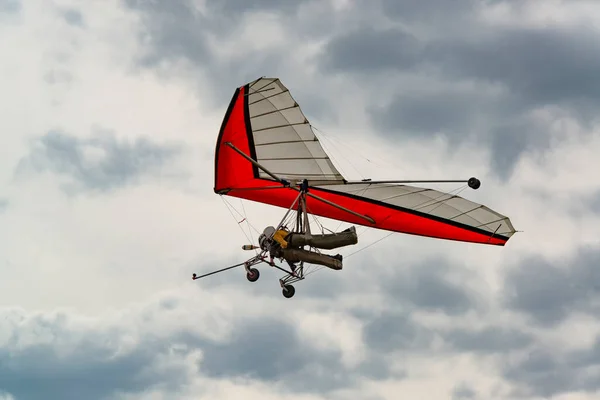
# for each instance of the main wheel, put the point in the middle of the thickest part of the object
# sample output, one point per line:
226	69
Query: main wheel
252	275
288	291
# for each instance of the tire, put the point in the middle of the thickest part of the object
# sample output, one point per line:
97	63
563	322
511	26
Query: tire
252	275
288	291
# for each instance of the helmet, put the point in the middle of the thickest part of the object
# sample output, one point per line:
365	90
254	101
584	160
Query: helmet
269	232
263	239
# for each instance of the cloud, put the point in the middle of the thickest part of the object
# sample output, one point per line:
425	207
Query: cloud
10	6
255	351
432	285
175	29
550	65
476	82
550	372
69	359
396	331
99	163
73	17
593	202
240	6
541	66
145	348
489	340
214	47
463	392
437	87
435	10
547	292
370	50
182	30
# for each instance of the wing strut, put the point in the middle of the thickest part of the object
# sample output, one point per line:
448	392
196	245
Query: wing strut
287	184
473	183
371	220
272	175
194	277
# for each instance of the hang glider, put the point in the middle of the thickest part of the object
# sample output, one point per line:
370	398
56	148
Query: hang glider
267	152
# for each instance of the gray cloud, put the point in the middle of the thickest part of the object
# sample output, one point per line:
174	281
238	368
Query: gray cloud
594	202
429	114
549	65
433	10
396	331
178	31
57	76
271	350
114	164
10	6
73	17
510	72
369	50
543	66
549	293
541	374
433	293
463	392
427	286
256	352
3	204
82	366
489	340
242	6
69	359
549	372
472	115
512	138
175	30
577	206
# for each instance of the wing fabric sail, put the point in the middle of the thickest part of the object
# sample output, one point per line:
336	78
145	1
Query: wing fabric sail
264	122
423	211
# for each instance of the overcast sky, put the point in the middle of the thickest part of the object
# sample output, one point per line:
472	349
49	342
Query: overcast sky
110	113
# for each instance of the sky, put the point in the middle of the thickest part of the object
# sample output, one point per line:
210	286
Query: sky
110	114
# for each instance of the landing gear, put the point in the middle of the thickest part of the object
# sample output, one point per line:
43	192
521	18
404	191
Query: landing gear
252	275
288	291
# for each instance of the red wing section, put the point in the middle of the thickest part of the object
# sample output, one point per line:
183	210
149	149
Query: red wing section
265	123
387	216
231	169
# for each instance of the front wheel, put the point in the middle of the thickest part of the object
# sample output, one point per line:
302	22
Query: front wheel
252	275
288	291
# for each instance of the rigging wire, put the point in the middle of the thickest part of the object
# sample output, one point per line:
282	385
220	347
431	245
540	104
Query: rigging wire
240	214
247	222
334	138
229	208
353	253
342	155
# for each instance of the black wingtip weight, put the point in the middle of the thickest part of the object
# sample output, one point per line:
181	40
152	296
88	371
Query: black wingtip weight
474	183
